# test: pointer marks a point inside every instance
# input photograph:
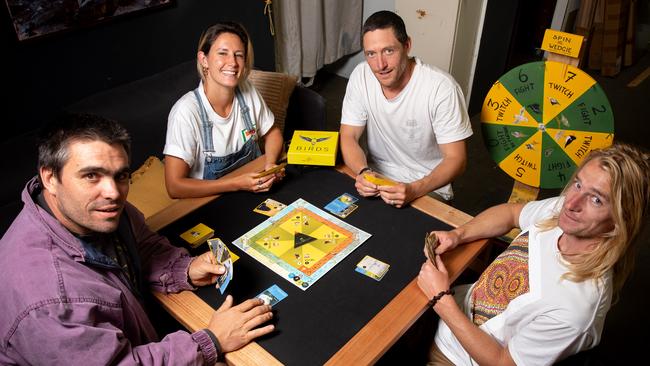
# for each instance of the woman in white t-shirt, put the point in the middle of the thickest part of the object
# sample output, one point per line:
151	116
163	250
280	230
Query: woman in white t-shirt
546	296
217	127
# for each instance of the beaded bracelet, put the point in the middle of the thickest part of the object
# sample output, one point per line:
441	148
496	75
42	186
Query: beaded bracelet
439	296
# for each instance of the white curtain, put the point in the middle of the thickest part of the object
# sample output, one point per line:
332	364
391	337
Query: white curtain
313	33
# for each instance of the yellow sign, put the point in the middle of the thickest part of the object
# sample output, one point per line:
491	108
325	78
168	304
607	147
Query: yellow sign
562	43
313	148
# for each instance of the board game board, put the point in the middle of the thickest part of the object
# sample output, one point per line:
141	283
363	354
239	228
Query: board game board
301	243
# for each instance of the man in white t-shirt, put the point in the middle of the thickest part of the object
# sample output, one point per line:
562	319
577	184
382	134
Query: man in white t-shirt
546	296
414	116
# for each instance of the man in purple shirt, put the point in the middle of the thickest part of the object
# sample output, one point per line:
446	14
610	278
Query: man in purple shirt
77	260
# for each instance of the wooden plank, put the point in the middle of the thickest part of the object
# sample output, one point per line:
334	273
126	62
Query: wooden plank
639	79
376	337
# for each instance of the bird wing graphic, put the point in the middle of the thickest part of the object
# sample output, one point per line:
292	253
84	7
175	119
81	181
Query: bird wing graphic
322	138
305	138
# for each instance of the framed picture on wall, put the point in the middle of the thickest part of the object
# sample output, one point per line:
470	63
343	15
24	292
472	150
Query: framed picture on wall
37	18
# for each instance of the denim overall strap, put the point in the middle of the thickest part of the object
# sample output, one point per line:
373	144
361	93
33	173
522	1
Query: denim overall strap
216	166
245	111
206	125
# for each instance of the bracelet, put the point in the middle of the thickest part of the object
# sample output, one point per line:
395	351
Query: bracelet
364	170
439	296
217	345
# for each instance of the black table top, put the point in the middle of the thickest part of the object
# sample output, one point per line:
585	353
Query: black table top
312	325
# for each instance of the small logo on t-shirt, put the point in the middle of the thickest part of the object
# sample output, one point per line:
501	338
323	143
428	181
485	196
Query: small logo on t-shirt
247	134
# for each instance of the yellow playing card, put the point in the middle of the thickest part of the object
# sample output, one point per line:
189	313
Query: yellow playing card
378	179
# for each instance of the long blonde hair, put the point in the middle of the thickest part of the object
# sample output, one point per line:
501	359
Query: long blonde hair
629	172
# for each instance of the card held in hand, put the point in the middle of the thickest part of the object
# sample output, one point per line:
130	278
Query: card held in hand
222	256
431	243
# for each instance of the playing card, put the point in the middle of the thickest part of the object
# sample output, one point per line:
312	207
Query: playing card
269	207
224	279
347	211
272	295
342	205
378	179
431	243
273	170
222	256
197	235
373	268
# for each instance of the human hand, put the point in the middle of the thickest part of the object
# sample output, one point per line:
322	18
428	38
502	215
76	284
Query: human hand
204	270
279	175
252	183
398	195
236	326
447	240
365	188
432	280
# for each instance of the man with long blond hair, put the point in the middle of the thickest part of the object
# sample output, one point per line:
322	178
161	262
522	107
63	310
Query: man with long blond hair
546	296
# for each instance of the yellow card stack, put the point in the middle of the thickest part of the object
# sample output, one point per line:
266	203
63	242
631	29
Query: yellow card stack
378	179
197	235
313	148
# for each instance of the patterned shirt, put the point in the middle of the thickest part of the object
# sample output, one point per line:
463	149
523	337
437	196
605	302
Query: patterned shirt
504	279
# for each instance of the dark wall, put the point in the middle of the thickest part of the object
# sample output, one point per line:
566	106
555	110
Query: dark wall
493	50
43	75
512	34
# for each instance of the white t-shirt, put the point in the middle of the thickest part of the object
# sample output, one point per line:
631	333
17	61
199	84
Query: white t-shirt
404	132
556	318
184	127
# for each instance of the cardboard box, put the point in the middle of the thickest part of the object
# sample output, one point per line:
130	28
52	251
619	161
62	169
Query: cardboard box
313	148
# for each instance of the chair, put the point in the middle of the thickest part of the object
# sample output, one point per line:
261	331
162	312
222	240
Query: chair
306	111
275	88
147	189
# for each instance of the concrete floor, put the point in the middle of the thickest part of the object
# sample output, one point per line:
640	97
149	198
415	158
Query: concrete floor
484	184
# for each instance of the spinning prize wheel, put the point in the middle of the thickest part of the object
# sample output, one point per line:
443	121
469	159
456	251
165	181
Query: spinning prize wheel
541	119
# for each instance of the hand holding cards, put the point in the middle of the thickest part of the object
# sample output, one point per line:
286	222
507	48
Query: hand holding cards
431	243
378	179
272	170
222	256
